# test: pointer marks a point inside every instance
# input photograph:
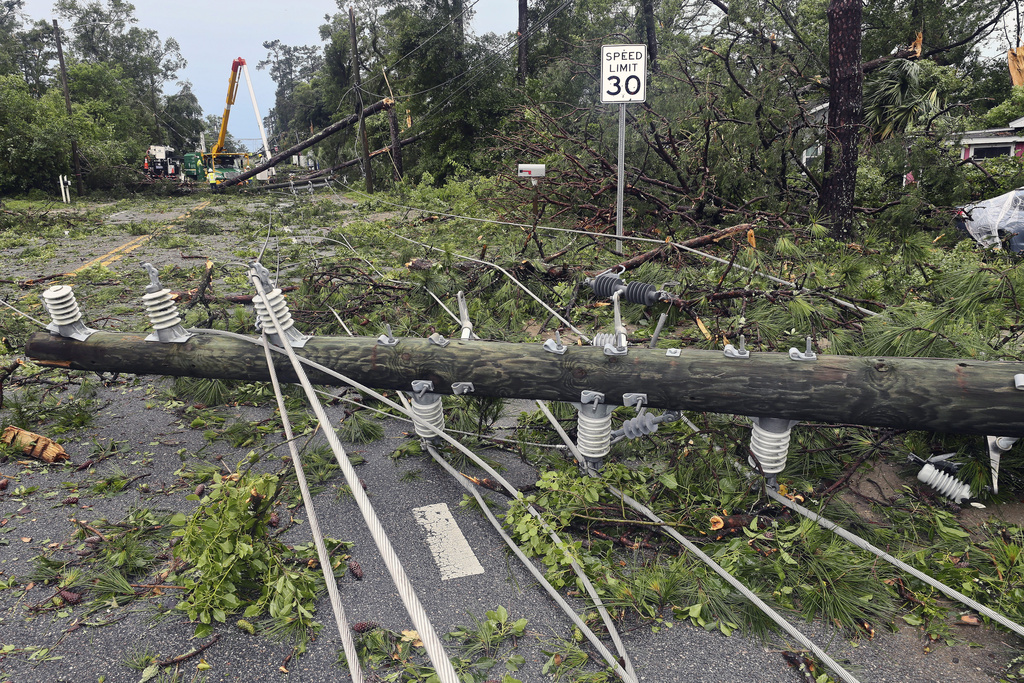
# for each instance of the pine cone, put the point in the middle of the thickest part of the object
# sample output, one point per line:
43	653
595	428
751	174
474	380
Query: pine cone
70	500
356	570
364	626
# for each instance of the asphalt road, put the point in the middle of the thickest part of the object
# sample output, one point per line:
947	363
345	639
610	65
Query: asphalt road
156	444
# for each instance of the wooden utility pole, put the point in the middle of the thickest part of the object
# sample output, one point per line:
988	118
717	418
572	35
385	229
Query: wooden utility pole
358	93
308	142
523	27
935	394
650	30
67	103
396	143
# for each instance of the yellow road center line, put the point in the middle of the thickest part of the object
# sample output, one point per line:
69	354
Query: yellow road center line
125	249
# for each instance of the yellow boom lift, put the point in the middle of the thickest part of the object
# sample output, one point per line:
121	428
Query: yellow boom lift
217	164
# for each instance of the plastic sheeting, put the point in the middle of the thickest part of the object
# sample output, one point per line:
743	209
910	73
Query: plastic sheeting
993	220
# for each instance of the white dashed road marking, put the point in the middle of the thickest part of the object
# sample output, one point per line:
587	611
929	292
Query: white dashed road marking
450	548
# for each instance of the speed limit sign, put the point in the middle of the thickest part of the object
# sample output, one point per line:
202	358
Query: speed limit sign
623	73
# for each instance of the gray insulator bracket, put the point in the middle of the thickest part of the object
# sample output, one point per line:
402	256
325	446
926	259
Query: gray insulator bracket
555	345
997	445
594	397
731	351
263	274
673	353
460	388
66	318
608	284
154	285
387	339
637	400
610	350
76	330
420	387
174	335
467	332
808	354
1018	381
438	340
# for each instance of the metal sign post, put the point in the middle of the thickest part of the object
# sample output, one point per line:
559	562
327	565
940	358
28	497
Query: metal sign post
623	80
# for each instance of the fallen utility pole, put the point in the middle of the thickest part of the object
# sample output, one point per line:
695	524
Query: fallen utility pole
394	149
308	142
934	394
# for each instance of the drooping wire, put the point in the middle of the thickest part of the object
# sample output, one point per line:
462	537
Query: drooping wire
23	314
348	644
435	649
504	272
463	449
753	271
700	554
896	562
559	600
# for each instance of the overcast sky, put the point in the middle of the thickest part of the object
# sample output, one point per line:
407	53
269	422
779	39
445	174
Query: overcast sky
212	34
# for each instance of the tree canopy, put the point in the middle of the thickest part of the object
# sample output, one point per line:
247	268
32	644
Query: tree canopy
742	117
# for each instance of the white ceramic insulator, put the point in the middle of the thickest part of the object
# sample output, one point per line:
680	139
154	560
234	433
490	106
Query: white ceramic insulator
594	435
430	412
944	483
277	304
603	339
61	305
161	309
769	447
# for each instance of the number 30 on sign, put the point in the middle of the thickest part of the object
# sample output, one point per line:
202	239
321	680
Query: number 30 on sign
623	73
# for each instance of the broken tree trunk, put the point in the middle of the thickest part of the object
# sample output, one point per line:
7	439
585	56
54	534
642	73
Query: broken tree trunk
935	394
308	142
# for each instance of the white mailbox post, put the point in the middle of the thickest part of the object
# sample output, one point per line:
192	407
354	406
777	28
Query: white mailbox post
533	172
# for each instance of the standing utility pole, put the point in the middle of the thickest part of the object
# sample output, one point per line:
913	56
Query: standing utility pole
67	102
357	83
523	26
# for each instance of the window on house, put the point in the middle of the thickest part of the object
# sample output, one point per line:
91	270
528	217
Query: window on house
991	152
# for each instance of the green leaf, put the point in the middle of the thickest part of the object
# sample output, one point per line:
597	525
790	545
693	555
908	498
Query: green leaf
913	619
669	481
202	631
252	611
149	672
514	662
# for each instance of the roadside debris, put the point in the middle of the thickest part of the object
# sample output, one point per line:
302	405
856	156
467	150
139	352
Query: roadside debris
34	445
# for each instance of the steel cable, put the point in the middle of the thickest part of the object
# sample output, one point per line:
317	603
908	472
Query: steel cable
733	581
347	641
896	562
431	641
481	463
537	574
